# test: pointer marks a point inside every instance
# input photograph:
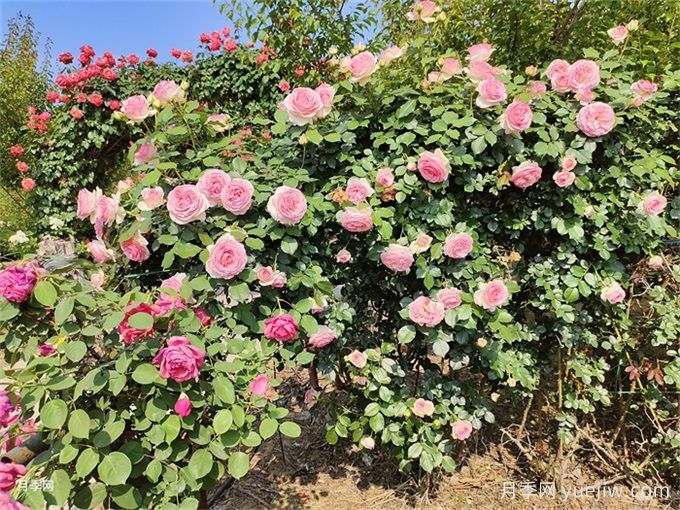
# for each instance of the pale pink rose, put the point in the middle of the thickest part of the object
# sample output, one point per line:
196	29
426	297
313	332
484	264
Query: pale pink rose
303	106
259	385
423	10
585	95
265	275
179	361
358	359
556	67
281	328
491	295
385	177
653	204
361	67
136	108
167	91
107	211
322	337
211	183
220	122
633	25
536	88
462	430
97	279
596	119
237	196
343	256
433	166
526	174
358	190
491	93
227	258
135	248
391	53
411	166
564	178
450	298
481	51
638	101
175	283
613	294
451	67
287	205
584	73
279	280
435	77
531	70
319	307
425	312
458	246
367	442
516	118
618	34
151	199
125	185
100	253
422	408
87	203
186	203
644	88
357	220
560	83
421	244
145	153
655	262
326	94
311	397
397	258
478	70
568	163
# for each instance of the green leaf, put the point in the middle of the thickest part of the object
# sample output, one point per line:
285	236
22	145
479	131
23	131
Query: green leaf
90	496
222	421
45	293
140	320
289	245
406	334
407	108
290	429
201	463
268	428
224	389
61	487
314	136
239	464
172	426
63	310
145	374
153	470
79	424
87	461
114	469
53	414
75	351
127	496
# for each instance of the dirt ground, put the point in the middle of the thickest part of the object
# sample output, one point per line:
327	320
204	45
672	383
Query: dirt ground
307	473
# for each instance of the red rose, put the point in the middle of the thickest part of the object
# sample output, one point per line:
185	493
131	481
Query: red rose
65	58
152	53
129	334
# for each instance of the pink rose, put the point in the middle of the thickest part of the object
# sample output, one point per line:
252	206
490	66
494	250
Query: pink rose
259	385
326	94
390	54
343	256
478	71
219	122
422	408
183	407
655	262
129	334
361	67
310	398
613	294
135	248
100	253
491	92
526	174
585	95
279	280
97	279
618	34
136	108
9	473
322	337
421	244
596	119
287	205
491	295
107	211
319	307
560	83
568	163
87	202
423	10
145	153
302	106
556	67
450	298
480	51
564	178
167	91
281	328
7	503
151	199
265	275
174	283
385	177
17	282
451	66
536	88
358	190
211	183
46	350
644	89
186	203
357	220
9	412
425	312
458	246
397	258
237	196
516	118
284	86
584	73
653	204
462	429
179	361
358	359
203	316
227	258
433	166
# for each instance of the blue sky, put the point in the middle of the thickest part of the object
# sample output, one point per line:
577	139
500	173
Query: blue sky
121	26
